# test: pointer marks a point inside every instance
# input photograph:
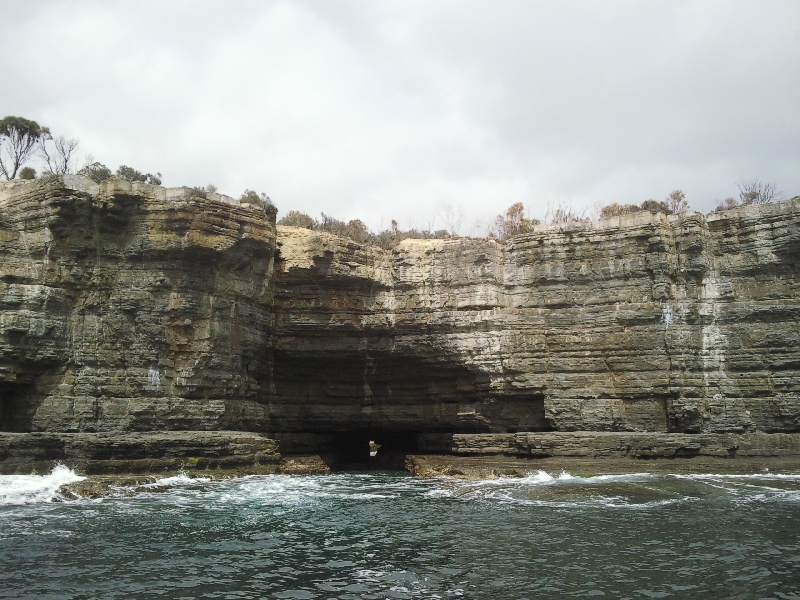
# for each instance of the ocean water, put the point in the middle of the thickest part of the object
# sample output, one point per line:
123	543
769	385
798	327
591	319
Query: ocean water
390	535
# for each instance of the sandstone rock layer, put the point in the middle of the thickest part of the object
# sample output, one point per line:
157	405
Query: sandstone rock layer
128	307
640	323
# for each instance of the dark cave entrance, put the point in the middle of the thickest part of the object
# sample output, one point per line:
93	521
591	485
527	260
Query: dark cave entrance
16	412
374	449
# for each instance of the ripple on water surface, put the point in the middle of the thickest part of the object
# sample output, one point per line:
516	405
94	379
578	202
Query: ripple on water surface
387	535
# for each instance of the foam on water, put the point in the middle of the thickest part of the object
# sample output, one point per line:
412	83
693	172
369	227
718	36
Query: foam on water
765	476
761	487
539	488
390	535
30	489
630	490
563	490
177	480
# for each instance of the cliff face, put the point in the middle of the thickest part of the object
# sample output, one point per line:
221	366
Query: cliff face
641	323
135	308
128	306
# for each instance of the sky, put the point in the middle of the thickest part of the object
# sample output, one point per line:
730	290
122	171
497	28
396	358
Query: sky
384	110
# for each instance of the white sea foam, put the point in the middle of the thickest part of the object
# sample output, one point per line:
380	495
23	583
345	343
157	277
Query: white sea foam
562	490
758	487
759	476
544	478
630	490
177	480
30	489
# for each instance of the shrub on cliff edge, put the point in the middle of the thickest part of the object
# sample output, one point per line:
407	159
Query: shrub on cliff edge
27	173
513	222
96	172
130	174
295	218
357	230
615	209
256	199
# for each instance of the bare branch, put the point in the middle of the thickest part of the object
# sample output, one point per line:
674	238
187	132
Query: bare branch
676	202
757	192
453	218
564	212
62	158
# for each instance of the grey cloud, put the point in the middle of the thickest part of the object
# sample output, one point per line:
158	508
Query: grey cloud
394	109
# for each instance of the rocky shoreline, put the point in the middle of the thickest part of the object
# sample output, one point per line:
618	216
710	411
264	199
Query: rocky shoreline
163	329
494	467
129	463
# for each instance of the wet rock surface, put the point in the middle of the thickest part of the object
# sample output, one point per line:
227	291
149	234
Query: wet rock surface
495	467
120	452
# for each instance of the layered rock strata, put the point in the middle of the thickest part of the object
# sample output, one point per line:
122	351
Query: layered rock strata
596	444
131	307
120	452
128	307
639	323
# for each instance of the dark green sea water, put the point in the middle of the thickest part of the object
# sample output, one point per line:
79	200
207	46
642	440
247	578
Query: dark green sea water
387	535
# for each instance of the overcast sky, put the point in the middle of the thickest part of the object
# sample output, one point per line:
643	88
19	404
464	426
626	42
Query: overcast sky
381	110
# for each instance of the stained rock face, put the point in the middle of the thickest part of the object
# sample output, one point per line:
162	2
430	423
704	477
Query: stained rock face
132	307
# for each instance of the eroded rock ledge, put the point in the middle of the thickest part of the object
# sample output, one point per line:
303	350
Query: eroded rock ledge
152	452
592	444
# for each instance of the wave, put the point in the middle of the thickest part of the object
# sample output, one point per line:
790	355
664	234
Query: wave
289	492
629	490
176	480
279	491
32	489
765	476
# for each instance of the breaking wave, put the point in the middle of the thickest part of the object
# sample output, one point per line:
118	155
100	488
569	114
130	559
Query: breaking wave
538	488
31	489
392	535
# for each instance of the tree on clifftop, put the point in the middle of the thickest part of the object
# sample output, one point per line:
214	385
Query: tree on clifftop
757	192
676	202
59	159
131	174
18	139
96	171
295	218
513	222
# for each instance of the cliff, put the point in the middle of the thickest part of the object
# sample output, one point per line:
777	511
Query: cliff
638	323
128	307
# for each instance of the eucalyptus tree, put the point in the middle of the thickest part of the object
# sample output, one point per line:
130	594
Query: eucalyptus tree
19	138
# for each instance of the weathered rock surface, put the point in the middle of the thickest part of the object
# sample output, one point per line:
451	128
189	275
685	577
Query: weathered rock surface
597	444
128	307
150	452
639	323
498	466
131	307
